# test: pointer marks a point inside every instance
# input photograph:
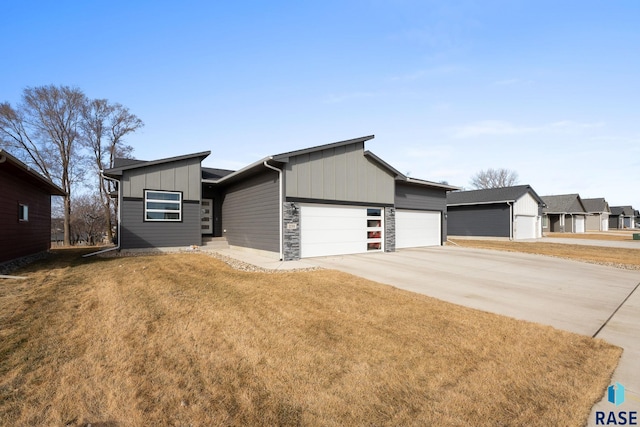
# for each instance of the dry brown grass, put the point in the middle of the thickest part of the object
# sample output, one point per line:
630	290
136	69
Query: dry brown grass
621	235
184	340
618	257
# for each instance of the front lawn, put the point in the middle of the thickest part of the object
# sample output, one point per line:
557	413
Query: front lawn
183	339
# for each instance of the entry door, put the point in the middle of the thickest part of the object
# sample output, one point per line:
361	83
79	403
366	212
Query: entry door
206	216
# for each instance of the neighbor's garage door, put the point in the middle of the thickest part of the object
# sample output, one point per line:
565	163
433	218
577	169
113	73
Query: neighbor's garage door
525	227
579	222
337	230
417	228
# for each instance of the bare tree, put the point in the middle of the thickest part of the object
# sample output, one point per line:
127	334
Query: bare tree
494	178
87	219
43	131
104	127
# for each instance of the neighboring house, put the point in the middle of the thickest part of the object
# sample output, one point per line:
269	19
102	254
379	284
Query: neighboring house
25	209
513	212
325	200
564	213
598	210
622	217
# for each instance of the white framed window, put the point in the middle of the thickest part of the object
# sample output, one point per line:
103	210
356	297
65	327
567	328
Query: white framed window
374	229
23	213
162	205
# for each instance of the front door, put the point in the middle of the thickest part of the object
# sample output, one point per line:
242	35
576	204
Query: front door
206	216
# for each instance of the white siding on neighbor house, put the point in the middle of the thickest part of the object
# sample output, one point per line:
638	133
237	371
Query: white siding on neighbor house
526	205
341	174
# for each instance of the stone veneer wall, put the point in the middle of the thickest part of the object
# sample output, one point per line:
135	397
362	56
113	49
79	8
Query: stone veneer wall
291	231
389	229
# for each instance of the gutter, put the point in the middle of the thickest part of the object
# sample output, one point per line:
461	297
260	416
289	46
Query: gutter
510	220
280	214
117	247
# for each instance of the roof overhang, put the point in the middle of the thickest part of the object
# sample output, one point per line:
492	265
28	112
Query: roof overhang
284	157
116	172
38	179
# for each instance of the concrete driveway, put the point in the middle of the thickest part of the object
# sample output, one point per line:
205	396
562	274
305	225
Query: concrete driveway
570	295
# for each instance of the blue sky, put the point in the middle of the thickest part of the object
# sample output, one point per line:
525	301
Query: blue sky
549	89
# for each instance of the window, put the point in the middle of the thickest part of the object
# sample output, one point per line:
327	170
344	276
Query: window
23	213
162	206
374	229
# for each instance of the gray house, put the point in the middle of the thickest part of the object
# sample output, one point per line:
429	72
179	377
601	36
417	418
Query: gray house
598	210
512	212
622	217
331	199
564	213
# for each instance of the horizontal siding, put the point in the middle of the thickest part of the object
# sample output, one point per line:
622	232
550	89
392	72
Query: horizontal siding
251	213
338	174
136	233
420	198
479	220
18	239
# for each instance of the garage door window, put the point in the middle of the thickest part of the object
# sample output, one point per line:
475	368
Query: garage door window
374	229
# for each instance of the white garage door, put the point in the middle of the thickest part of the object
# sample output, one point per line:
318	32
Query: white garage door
337	230
525	227
579	223
417	228
605	224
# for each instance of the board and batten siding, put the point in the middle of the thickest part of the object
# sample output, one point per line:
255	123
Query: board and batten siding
338	174
526	205
479	220
183	175
417	197
136	233
251	212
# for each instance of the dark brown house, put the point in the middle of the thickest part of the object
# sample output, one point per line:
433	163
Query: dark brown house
25	209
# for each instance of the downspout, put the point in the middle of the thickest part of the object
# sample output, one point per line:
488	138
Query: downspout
118	214
280	215
510	220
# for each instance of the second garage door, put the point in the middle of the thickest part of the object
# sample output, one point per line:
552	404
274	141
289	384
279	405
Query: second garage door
417	228
525	227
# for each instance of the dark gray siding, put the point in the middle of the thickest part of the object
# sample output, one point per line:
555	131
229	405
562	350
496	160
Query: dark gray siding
250	212
136	233
417	197
479	220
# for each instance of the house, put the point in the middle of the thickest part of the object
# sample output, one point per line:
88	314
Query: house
598	210
25	209
622	217
512	212
330	199
564	213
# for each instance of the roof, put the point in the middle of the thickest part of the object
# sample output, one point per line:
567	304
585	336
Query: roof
596	205
214	173
564	203
491	195
129	164
622	210
284	157
37	179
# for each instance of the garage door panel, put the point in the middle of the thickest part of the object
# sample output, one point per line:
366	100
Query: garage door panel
525	227
417	228
332	230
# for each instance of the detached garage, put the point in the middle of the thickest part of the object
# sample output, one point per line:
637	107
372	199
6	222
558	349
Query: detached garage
510	212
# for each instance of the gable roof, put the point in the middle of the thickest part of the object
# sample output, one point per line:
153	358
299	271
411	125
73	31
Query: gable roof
129	164
564	203
622	210
596	205
35	178
491	195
